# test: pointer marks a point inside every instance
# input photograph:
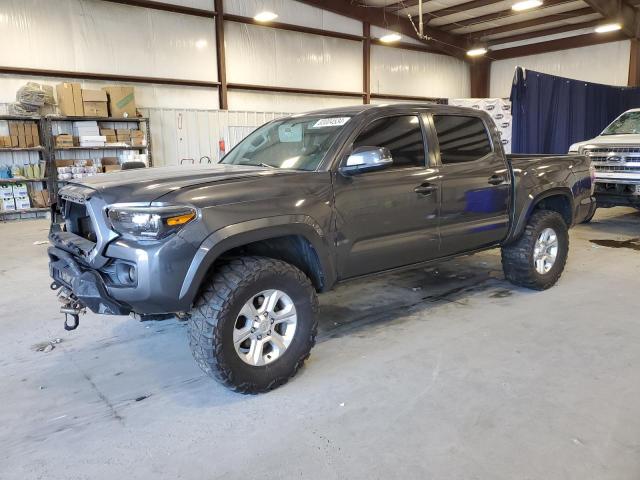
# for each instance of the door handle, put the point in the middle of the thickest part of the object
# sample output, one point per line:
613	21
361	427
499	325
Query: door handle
425	189
496	179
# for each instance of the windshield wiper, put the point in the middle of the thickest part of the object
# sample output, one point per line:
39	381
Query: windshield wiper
266	165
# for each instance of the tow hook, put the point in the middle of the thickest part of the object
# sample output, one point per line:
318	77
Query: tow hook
71	307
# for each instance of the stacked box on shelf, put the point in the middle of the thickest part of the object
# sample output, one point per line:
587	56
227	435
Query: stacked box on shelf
14	197
94	103
76	169
63	141
88	134
19	134
110	135
137	138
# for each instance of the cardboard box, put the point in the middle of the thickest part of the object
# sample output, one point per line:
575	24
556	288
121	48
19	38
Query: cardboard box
39	198
7	204
6	191
22	141
21	129
122	102
123	131
13	129
93	95
70	99
34	129
137	133
22	203
14	141
36	139
111	139
111	168
5	142
107	132
71	163
137	142
29	141
94	103
110	161
63	141
95	109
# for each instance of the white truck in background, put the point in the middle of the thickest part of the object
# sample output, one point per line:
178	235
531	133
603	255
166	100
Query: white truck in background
615	155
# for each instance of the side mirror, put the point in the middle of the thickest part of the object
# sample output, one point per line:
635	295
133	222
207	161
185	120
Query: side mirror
367	159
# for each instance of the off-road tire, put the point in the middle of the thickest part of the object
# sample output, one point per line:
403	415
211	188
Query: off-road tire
517	257
213	316
590	216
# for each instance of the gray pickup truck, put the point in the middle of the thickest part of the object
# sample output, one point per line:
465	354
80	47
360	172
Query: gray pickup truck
240	249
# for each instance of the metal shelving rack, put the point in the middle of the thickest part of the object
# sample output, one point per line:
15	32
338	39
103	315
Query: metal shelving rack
42	157
55	153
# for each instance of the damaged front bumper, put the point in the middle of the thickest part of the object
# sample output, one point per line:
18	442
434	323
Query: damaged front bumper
82	283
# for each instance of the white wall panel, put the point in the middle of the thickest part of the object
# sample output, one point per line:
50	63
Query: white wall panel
290	11
266	56
181	136
160	96
607	63
407	72
264	101
103	37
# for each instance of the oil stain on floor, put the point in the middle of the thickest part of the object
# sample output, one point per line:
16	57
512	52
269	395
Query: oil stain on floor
632	243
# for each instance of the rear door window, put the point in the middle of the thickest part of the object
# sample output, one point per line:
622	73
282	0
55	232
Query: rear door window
461	138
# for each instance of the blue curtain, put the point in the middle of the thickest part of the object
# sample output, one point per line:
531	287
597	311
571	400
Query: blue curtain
550	113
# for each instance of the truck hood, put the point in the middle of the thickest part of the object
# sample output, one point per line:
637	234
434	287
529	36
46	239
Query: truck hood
609	140
149	184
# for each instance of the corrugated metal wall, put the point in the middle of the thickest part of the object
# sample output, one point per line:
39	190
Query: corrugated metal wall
185	136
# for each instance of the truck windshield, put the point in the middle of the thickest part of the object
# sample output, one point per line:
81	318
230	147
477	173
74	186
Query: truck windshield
626	124
296	143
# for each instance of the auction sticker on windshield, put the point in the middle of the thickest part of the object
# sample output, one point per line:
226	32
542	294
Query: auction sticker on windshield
330	122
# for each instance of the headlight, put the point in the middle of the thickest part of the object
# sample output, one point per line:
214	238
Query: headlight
149	223
574	148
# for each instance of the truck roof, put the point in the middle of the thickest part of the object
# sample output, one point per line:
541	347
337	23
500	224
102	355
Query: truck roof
356	109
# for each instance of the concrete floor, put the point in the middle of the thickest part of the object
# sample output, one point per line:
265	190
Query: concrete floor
440	373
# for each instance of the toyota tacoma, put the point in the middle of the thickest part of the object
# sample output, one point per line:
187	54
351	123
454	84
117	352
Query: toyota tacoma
240	249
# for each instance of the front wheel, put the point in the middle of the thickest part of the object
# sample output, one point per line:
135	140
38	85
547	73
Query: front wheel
537	259
254	324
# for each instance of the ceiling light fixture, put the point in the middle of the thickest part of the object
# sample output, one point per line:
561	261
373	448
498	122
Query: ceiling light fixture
265	16
476	52
391	37
525	5
608	27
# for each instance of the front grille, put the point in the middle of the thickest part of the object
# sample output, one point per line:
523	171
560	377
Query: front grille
77	220
594	150
616	168
614	159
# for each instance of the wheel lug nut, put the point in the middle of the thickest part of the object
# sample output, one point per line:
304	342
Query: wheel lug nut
259	337
253	330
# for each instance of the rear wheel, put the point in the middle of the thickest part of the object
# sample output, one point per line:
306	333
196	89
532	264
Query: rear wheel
254	324
590	216
537	259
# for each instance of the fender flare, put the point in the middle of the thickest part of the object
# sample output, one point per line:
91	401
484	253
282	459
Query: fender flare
243	233
521	221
